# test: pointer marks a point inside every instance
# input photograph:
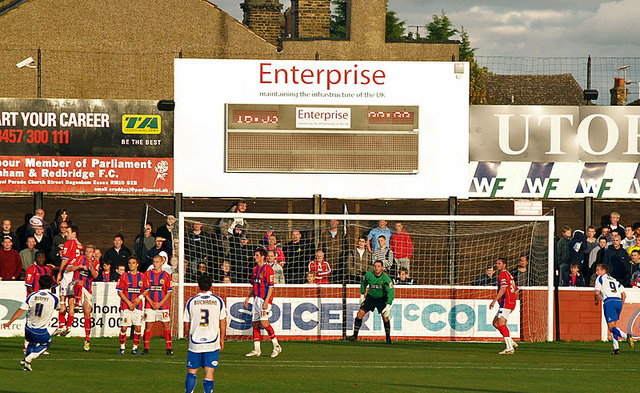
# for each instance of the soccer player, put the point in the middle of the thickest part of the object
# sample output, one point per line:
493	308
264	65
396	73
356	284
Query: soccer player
35	271
131	289
205	318
612	294
72	254
40	307
376	292
157	304
262	291
83	279
506	297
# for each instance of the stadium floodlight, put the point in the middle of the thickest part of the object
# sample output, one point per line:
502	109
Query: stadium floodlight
26	63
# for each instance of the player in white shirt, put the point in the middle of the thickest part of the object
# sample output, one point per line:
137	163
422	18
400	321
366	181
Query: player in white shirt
205	318
611	292
40	307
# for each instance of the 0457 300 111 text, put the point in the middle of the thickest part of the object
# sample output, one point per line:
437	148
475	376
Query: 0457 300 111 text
34	136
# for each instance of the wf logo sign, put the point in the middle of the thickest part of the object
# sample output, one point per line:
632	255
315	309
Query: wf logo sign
486	180
539	179
592	181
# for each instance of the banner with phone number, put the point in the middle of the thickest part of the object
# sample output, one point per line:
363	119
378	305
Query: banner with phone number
85	146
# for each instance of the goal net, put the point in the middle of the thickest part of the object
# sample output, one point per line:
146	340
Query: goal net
442	267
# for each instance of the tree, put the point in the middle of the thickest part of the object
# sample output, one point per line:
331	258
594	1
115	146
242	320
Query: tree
466	51
338	26
477	74
440	28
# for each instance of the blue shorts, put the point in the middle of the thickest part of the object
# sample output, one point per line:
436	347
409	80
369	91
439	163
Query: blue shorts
37	336
202	359
612	309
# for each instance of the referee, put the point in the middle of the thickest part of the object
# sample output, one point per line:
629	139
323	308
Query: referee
378	295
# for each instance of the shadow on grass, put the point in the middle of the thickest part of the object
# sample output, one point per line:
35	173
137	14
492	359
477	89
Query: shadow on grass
447	388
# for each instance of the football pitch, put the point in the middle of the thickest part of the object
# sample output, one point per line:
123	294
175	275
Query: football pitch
330	366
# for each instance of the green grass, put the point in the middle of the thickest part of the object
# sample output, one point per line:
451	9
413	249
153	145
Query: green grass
307	366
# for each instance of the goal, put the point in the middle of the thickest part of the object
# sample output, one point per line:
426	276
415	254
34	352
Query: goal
445	258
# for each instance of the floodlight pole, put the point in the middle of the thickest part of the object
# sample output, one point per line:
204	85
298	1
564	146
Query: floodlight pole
39	72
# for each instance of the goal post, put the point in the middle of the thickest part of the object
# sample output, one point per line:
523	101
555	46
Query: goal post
446	255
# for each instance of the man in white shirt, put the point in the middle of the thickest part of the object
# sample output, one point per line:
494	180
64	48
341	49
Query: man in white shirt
611	292
205	318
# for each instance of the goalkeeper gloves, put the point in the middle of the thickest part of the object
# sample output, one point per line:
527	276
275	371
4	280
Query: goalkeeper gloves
386	311
361	300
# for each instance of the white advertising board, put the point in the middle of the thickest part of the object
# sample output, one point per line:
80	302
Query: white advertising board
204	89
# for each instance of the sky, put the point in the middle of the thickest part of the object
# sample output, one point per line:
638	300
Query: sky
545	28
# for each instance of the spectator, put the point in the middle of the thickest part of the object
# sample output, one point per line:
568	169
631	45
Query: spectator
403	278
636	246
277	251
10	262
227	225
57	244
119	253
166	266
591	243
320	268
198	243
168	231
43	241
635	261
617	259
606	232
62	215
270	231
160	246
577	246
143	244
22	230
332	243
615	225
596	255
383	254
358	261
298	252
107	273
97	254
629	239
242	257
227	280
225	270
311	278
563	256
6	232
488	278
120	270
636	229
375	233
28	255
278	272
524	275
402	247
202	269
574	279
46	228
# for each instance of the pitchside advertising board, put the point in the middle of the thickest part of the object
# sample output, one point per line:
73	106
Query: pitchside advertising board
554	152
410	318
85	146
297	128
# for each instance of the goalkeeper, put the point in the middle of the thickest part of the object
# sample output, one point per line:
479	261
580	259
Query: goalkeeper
376	292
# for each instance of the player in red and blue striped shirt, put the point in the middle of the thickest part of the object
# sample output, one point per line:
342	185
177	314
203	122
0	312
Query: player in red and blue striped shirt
131	289
262	293
83	288
157	304
35	271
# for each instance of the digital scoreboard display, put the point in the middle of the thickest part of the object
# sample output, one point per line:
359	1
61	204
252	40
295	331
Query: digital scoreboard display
361	117
321	138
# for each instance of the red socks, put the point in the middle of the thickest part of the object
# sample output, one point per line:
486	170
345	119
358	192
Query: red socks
147	338
167	338
123	338
256	334
87	328
136	339
270	331
504	330
62	320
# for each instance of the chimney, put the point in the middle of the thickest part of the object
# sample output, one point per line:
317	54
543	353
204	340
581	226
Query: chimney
264	17
619	92
310	18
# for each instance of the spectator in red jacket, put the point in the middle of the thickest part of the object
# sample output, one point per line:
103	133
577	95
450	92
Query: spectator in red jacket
10	261
402	247
320	268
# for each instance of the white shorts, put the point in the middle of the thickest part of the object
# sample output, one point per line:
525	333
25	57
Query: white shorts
503	313
129	317
151	315
257	313
85	296
66	284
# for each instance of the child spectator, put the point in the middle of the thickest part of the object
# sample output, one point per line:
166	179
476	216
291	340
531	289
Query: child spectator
402	278
574	279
